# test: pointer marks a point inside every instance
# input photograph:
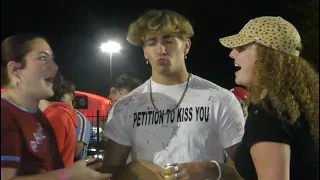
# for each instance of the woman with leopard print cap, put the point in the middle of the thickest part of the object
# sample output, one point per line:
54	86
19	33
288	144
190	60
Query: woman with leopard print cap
281	139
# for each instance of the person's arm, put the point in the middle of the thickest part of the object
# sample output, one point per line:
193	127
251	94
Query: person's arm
78	148
80	134
231	129
231	151
118	146
276	165
267	134
114	160
10	174
78	171
230	125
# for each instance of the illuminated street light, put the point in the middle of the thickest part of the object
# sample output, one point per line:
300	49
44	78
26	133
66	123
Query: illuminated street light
110	47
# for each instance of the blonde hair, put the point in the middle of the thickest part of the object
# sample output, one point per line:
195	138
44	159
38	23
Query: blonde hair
292	84
159	21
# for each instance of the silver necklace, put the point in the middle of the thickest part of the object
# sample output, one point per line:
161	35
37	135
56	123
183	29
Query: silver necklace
180	101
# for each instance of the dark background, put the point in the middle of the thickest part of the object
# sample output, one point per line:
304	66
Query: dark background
77	28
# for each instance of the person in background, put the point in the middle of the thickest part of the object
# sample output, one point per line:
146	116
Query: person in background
123	85
83	133
175	116
83	129
62	119
28	145
241	95
281	139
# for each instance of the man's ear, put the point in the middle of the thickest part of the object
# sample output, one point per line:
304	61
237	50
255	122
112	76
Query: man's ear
144	53
187	46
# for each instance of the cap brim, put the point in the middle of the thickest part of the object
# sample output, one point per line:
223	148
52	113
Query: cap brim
236	40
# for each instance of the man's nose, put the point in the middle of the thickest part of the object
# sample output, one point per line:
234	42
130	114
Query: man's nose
162	48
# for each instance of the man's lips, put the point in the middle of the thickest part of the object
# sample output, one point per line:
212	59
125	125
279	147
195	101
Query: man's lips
162	61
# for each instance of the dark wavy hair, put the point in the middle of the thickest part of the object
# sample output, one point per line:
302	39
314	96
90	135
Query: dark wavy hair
127	82
292	85
61	87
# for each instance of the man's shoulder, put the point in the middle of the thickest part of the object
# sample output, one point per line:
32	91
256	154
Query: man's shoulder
133	95
204	84
80	115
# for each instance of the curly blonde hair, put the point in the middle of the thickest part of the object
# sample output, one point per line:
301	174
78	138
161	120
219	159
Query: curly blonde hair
292	85
159	21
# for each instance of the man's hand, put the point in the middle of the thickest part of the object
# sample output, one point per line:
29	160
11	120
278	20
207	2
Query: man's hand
188	171
145	170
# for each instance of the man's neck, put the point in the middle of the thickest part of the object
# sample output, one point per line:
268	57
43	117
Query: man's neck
20	99
172	79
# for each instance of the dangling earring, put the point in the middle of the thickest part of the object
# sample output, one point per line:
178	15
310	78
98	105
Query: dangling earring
17	84
147	62
185	56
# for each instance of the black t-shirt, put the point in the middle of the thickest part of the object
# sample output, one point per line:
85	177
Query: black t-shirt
263	125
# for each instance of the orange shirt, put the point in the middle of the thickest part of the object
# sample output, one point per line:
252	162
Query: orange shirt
64	123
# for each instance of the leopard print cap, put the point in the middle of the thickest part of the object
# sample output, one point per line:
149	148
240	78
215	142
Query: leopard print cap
273	32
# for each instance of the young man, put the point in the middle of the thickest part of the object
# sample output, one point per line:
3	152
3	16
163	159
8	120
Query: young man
123	85
175	116
63	121
83	129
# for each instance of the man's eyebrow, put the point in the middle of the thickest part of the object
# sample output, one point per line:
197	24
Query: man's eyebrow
151	39
167	36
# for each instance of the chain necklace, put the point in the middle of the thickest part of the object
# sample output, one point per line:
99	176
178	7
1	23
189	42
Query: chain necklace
180	101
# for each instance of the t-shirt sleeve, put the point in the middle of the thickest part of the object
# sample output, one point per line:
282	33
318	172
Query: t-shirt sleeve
115	127
82	129
10	142
87	132
264	127
79	129
230	121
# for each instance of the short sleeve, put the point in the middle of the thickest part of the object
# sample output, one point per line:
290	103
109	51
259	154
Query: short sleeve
81	131
230	121
10	142
262	126
115	127
87	132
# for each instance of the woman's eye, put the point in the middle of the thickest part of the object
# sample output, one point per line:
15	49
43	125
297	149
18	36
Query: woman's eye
43	58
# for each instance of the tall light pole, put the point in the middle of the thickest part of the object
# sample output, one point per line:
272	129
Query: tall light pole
110	47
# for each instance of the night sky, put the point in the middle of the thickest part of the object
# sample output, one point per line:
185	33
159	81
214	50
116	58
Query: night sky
77	28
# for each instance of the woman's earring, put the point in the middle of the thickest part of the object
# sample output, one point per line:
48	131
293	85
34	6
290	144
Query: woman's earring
147	62
185	56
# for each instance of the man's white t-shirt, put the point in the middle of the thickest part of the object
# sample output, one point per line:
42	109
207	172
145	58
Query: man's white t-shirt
208	120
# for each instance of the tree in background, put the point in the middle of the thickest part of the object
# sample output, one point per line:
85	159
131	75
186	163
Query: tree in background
308	25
